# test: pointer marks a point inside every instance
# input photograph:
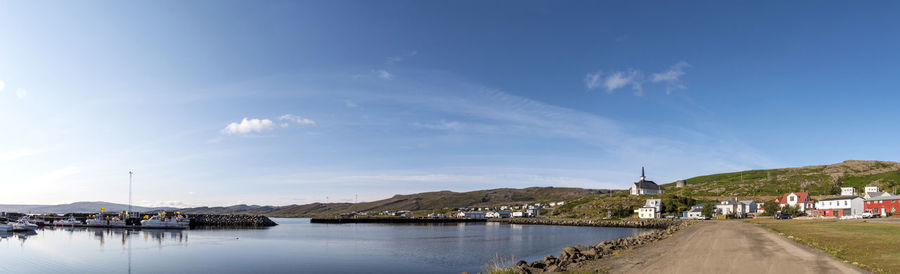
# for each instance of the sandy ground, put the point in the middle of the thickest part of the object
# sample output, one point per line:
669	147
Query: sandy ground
723	247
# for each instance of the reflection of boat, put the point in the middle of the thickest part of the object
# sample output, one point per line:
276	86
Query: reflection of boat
24	225
160	221
70	221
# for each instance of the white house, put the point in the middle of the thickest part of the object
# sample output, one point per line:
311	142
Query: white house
651	209
848	191
872	189
518	214
799	199
644	187
498	214
729	207
696	212
533	211
843	207
471	215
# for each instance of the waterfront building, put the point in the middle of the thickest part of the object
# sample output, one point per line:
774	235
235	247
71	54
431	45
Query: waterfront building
499	214
651	209
848	191
842	207
518	214
471	215
645	187
870	195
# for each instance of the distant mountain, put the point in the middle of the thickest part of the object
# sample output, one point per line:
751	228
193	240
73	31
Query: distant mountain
419	201
822	180
77	207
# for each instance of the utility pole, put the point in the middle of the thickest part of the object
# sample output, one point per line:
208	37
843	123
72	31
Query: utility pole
130	174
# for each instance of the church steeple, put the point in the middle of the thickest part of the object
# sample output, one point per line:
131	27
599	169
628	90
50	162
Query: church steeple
642	174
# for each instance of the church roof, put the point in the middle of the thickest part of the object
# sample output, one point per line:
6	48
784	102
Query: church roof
647	185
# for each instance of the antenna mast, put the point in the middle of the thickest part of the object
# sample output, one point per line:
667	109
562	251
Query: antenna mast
130	174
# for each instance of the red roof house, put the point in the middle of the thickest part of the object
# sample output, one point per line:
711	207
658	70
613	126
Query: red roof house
800	199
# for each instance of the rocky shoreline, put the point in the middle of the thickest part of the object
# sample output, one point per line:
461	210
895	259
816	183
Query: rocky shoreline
230	220
575	255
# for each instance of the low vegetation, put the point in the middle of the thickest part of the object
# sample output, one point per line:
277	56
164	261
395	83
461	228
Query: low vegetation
871	245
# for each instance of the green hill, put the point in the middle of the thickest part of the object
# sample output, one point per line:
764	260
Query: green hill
437	200
818	180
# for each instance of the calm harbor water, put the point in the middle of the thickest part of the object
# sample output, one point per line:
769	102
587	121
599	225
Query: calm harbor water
294	246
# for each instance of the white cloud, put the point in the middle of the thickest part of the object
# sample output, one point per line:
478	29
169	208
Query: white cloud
672	77
384	74
615	81
350	104
247	126
21	93
399	58
296	119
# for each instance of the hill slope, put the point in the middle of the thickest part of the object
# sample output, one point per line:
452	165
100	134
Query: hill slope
77	207
420	201
818	180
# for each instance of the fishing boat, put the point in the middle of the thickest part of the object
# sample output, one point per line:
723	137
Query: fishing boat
23	225
70	221
161	221
100	221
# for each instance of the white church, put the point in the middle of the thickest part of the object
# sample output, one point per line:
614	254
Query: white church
644	187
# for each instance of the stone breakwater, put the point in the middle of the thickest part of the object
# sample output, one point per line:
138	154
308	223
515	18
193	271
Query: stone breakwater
574	255
230	220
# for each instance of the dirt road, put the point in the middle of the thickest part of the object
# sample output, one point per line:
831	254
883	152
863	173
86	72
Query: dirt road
723	247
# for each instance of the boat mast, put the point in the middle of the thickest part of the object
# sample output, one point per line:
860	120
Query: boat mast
130	173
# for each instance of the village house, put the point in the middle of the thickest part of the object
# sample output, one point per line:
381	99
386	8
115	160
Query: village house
498	214
696	212
842	207
436	216
799	199
870	195
533	211
883	205
730	207
848	191
760	208
748	207
518	214
644	187
650	210
471	215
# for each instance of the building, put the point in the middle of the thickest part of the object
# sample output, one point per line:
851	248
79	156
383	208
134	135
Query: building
729	207
533	211
681	183
799	199
436	216
882	205
471	215
696	212
848	191
872	189
749	206
498	214
760	207
843	207
651	209
870	195
644	187
518	214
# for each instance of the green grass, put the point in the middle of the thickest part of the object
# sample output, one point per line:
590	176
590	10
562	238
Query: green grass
874	246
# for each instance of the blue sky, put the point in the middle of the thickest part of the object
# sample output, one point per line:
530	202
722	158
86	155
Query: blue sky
224	102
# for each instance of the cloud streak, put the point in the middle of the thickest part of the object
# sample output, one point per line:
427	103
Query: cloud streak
248	126
672	77
635	79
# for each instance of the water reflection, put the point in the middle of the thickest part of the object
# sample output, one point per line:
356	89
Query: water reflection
123	236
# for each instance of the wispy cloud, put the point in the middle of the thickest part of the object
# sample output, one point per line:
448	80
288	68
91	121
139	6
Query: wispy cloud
400	58
297	119
350	104
615	81
248	126
672	77
384	74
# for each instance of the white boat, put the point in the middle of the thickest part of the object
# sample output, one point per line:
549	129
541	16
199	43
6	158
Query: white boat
100	221
159	221
70	221
23	225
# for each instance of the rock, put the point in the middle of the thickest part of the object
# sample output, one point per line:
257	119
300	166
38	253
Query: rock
521	263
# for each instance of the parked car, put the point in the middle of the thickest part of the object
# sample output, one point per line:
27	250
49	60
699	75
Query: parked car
783	216
867	215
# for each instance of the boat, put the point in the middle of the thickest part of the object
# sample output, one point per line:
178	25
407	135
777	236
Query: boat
99	221
161	221
70	221
5	227
23	225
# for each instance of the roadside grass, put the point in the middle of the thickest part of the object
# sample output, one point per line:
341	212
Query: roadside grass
501	265
871	246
